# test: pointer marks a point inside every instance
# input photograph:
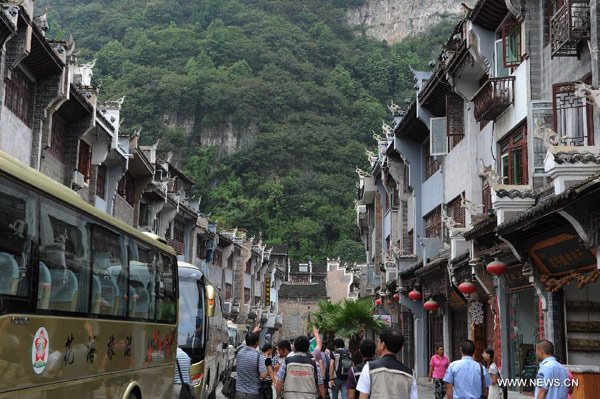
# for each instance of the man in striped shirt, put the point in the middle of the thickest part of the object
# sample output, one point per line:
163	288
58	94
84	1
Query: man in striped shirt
250	369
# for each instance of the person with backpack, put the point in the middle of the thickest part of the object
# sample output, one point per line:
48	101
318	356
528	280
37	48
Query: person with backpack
299	377
250	369
387	377
367	351
340	365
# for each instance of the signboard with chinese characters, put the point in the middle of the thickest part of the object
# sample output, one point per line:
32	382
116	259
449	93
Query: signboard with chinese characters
268	290
561	254
515	279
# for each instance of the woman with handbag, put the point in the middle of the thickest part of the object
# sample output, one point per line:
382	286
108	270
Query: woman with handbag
495	392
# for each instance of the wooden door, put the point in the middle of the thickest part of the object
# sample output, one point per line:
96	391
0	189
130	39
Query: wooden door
436	332
459	330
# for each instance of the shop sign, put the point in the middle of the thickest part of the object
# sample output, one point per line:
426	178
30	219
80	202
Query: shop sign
514	278
561	254
385	317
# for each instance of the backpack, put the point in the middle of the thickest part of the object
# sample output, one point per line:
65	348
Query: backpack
343	364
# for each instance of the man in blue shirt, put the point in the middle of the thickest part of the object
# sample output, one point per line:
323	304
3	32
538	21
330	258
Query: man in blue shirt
552	377
250	369
465	378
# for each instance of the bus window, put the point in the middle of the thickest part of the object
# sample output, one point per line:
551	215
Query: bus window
142	280
18	211
191	318
64	252
167	297
109	282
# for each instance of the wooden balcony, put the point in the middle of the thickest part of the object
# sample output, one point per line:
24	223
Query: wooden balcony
493	98
568	27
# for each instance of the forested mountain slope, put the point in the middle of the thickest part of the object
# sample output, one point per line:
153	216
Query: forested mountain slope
268	104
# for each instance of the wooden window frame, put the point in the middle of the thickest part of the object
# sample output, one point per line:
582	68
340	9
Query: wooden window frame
201	248
510	144
457	211
57	138
433	223
101	182
228	291
510	30
432	165
247	295
178	231
217	258
17	96
567	88
486	196
406	177
84	163
455	118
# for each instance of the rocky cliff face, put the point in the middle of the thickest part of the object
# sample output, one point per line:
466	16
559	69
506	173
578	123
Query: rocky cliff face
393	20
227	137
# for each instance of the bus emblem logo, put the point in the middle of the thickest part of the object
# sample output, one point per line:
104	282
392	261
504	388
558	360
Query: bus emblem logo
40	350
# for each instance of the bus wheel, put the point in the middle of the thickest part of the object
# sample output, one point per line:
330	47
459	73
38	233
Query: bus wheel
132	395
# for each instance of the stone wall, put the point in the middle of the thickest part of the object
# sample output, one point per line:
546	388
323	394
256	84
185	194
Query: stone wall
393	20
295	316
337	282
15	137
123	210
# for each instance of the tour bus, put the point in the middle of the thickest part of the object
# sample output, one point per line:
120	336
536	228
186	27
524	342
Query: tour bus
88	304
202	330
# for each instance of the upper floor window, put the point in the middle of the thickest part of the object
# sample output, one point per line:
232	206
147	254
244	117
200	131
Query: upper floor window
201	247
57	138
573	116
303	268
178	231
101	182
511	44
406	179
246	295
217	258
126	188
456	211
513	149
455	120
431	163
84	166
433	223
18	95
486	196
228	291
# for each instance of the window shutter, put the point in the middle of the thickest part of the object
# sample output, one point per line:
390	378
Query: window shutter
439	139
455	113
511	39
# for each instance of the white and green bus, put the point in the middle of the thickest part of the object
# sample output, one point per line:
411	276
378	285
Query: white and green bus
88	304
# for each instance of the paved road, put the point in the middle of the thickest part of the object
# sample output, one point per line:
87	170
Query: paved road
425	391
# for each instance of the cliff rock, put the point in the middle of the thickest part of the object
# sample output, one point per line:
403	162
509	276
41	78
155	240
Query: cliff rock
393	20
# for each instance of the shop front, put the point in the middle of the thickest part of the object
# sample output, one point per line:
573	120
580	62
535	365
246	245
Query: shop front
557	241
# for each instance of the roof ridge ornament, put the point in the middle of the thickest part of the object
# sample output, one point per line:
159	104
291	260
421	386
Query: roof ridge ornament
590	93
488	172
516	9
548	136
470	206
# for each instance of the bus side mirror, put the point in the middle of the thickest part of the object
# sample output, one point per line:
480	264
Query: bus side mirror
210	300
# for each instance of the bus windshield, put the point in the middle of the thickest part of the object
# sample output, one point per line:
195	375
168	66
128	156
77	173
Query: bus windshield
191	320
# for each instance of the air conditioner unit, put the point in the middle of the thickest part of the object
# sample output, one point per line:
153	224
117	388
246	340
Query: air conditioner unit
78	180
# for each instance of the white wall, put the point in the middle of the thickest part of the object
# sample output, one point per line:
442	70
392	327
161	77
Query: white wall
15	137
518	111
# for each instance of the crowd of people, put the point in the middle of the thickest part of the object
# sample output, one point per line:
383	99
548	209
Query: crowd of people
306	369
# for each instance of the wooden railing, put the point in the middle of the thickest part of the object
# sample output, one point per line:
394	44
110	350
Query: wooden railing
568	26
493	98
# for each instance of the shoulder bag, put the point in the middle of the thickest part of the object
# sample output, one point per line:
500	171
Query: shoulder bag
483	395
187	392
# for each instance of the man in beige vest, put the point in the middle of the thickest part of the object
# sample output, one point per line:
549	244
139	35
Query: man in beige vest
387	378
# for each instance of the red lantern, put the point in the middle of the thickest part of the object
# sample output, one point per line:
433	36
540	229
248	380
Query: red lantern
467	288
496	267
397	297
415	295
378	302
389	302
431	305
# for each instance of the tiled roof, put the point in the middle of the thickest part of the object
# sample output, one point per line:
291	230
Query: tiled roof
435	263
515	193
278	249
575	156
552	203
305	290
412	268
460	258
481	226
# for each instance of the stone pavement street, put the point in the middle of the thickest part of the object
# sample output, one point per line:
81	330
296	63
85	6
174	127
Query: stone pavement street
425	390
